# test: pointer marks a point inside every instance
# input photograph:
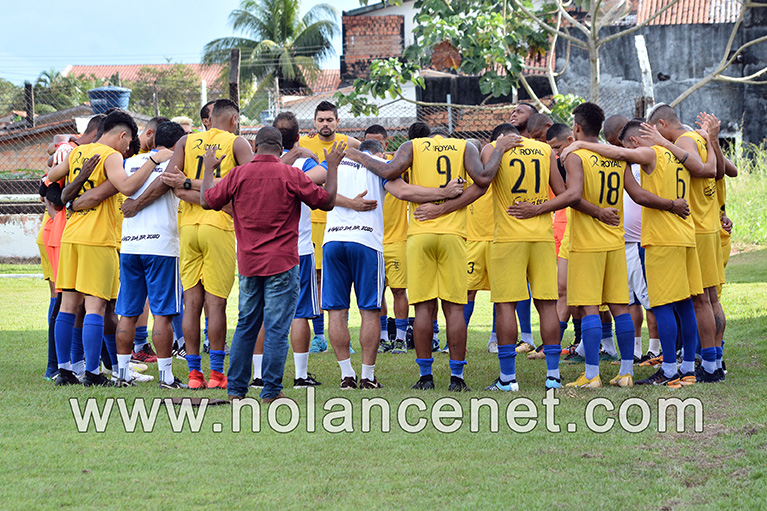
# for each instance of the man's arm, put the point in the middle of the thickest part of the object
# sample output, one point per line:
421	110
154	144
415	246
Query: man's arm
650	200
730	169
211	163
430	211
565	195
358	203
686	151
297	152
420	194
60	171
640	155
483	175
243	152
333	158
710	126
71	190
94	196
153	192
128	185
609	216
403	159
353	142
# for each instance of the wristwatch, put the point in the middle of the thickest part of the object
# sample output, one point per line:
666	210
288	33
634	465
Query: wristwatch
188	184
69	206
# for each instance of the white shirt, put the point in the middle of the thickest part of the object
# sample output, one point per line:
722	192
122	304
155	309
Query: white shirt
154	229
632	212
305	245
363	227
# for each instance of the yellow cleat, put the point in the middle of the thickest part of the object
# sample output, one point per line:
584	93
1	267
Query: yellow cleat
536	355
622	380
584	383
524	347
680	381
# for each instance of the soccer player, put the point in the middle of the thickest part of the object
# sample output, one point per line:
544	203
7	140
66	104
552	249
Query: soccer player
205	112
704	170
146	137
671	264
184	122
207	238
436	249
538	125
326	123
149	256
597	271
88	265
520	116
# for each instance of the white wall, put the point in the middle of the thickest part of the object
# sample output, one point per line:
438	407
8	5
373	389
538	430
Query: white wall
18	235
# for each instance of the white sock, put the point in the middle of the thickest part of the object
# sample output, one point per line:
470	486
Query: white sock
401	333
591	371
669	369
627	367
257	366
638	347
66	365
580	349
368	372
493	338
180	342
687	367
554	373
527	337
608	344
654	346
165	366
123	367
435	336
346	368
301	361
79	368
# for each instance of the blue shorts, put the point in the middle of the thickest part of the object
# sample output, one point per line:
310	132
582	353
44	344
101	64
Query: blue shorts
344	263
308	297
149	275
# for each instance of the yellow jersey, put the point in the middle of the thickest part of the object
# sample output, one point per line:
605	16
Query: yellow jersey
721	196
480	224
119	217
603	187
315	145
437	161
670	180
394	216
194	152
523	176
703	203
95	226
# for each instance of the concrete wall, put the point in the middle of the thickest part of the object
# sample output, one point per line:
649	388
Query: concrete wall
18	236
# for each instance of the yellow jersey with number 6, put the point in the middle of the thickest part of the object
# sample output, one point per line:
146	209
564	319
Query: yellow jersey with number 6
523	176
703	203
194	152
437	161
95	226
603	187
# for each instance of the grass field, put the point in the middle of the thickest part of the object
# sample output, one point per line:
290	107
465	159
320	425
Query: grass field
45	463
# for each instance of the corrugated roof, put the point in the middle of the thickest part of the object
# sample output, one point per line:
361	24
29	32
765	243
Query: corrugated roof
326	80
131	72
687	12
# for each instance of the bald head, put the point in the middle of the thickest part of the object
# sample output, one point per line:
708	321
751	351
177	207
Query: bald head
612	128
538	125
665	113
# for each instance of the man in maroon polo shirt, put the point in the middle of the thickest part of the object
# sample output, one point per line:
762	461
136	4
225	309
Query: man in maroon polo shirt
266	196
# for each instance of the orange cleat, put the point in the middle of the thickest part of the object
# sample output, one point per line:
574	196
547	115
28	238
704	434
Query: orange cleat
217	380
197	380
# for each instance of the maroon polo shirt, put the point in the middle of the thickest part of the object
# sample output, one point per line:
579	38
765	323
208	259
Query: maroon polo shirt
266	200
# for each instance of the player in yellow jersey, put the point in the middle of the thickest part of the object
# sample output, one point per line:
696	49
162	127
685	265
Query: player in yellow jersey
436	249
705	165
671	261
520	117
326	123
597	271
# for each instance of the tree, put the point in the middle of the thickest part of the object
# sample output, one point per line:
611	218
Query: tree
11	97
56	92
171	91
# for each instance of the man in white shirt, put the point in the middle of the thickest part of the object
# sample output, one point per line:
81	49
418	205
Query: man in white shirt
149	258
353	254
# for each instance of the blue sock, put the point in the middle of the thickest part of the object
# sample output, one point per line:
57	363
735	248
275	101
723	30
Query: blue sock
217	360
111	345
65	324
709	359
384	327
50	308
562	328
193	361
592	331
577	329
697	343
207	341
401	325
523	314
77	353
456	368
318	324
607	330
688	327
140	339
53	362
424	364
552	352
468	310
667	331
719	358
624	331
495	314
93	336
506	359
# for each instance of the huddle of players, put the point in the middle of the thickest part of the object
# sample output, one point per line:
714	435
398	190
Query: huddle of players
521	258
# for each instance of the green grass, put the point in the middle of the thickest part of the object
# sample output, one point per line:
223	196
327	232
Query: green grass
745	196
45	463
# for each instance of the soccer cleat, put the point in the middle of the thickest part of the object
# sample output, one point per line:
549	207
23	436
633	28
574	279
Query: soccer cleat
511	386
181	353
553	383
385	345
492	346
426	382
651	361
538	354
584	383
446	349
318	345
659	378
682	380
706	377
622	380
300	383
97	380
138	368
140	378
409	337
217	380
574	358
197	380
145	355
119	382
524	347
206	348
366	384
226	350
177	384
722	373
400	346
257	383
435	345
66	377
457	385
349	383
604	356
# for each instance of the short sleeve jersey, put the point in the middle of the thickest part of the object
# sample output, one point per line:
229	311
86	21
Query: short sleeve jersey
315	145
703	203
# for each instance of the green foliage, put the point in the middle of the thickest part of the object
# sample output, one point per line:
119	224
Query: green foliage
11	97
54	92
746	195
176	87
386	79
564	104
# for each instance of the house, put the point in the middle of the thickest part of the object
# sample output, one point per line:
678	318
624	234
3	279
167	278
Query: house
209	73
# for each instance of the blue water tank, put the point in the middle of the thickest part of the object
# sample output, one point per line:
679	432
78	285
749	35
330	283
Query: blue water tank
104	98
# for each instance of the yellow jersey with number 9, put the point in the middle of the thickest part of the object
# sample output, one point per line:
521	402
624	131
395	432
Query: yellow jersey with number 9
437	161
96	226
603	187
670	180
523	176
194	152
315	145
703	204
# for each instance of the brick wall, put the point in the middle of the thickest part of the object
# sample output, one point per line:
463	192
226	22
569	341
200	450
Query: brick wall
366	38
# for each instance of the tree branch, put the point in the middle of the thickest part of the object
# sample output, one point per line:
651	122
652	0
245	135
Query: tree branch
631	30
548	28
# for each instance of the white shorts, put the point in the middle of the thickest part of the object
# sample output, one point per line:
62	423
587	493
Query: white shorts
637	283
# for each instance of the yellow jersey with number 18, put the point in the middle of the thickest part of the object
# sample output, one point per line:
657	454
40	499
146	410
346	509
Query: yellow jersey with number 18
670	180
194	152
437	161
703	204
523	176
95	226
315	145
603	187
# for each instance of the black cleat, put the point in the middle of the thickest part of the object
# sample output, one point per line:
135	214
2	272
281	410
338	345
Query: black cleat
425	383
124	383
458	385
177	384
706	377
349	383
66	377
370	384
309	381
97	380
659	378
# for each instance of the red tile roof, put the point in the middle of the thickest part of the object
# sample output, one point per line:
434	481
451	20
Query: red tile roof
208	72
689	12
326	80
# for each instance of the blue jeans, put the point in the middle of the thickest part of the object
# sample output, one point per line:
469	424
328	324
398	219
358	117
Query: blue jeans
271	300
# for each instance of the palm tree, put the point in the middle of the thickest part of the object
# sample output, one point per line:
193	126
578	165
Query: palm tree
277	42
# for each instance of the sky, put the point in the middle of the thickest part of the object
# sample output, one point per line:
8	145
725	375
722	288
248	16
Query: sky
41	34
